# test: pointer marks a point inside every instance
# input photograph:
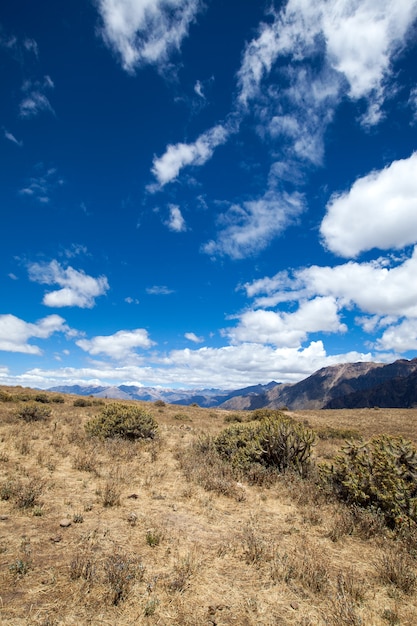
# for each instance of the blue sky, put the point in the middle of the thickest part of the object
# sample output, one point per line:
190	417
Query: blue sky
206	194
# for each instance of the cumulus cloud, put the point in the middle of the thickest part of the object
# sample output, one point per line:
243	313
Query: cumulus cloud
146	32
375	287
228	367
384	291
247	229
77	288
167	167
399	337
15	333
119	346
379	211
288	329
176	221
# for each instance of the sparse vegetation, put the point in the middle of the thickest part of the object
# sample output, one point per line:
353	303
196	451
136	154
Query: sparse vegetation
208	522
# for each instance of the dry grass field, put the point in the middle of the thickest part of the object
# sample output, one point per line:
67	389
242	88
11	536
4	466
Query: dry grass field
118	532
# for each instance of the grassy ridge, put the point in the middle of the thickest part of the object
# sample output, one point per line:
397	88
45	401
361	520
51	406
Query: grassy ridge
160	531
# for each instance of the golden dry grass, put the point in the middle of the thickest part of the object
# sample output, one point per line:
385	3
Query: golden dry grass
154	540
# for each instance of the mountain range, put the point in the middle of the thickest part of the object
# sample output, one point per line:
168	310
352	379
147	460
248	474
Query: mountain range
348	385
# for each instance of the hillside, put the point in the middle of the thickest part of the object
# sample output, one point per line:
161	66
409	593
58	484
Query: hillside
330	387
157	532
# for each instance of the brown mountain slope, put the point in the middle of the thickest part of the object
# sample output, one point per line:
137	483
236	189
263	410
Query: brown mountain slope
327	384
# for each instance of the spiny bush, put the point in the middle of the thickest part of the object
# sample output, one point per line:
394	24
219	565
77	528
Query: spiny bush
124	421
33	412
380	475
277	442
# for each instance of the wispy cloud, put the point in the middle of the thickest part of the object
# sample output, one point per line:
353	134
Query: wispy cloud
176	222
146	32
12	138
77	288
15	333
119	346
41	186
332	50
35	100
159	290
248	228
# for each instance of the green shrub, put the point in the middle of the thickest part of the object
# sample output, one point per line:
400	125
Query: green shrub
82	402
43	398
5	396
121	420
32	412
58	399
276	442
233	417
380	475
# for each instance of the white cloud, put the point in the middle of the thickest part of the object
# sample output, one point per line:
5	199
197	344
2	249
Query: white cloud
374	287
229	367
35	100
15	332
159	290
379	211
288	329
176	221
42	186
198	89
249	228
131	300
12	138
119	346
167	167
385	293
77	288
362	38
399	338
193	337
144	32
357	38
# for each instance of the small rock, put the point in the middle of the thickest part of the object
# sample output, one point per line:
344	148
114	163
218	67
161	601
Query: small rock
3	518
64	523
56	539
295	606
134	496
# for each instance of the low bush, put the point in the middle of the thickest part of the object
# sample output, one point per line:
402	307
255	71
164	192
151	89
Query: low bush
43	398
5	396
277	442
82	402
380	475
124	421
33	412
